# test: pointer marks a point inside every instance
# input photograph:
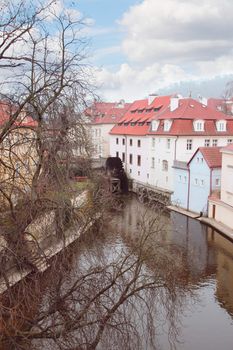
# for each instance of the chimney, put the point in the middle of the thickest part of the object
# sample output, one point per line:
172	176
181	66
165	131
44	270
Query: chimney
151	98
174	103
203	100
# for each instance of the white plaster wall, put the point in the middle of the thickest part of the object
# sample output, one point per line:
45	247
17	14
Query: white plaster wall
227	178
223	213
158	177
139	173
101	139
197	141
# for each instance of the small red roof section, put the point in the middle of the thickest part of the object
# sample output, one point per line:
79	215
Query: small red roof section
6	110
136	121
221	104
107	112
211	155
188	108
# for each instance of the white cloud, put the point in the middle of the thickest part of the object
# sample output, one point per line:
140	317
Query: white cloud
175	29
131	83
170	41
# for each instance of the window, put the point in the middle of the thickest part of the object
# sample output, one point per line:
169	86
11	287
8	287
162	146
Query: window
221	125
117	154
196	182
131	142
130	159
189	145
153	142
167	125
138	173
229	141
168	143
199	125
185	179
165	165
130	170
139	161
202	183
215	143
207	143
147	176
152	162
139	143
123	141
217	182
123	157
117	141
154	125
96	131
99	132
179	178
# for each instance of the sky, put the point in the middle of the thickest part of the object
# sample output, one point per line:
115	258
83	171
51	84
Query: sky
140	47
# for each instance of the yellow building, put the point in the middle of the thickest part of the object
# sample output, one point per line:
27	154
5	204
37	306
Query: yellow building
18	156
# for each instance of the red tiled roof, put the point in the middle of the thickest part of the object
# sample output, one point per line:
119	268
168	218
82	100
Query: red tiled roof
192	109
140	112
185	127
6	111
211	155
221	104
182	118
106	112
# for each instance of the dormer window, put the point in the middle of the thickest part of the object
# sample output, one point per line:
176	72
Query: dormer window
167	125
221	125
199	125
154	125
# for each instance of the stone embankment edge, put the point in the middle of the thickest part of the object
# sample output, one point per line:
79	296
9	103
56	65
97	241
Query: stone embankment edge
225	231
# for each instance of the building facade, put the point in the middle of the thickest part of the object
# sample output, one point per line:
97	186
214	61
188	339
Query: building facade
161	130
102	117
221	205
196	180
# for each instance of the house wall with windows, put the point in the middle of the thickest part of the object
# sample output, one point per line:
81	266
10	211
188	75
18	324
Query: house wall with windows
102	117
133	151
181	184
221	207
202	174
172	129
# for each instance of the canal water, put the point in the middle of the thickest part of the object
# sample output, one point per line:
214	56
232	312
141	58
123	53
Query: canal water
206	319
200	318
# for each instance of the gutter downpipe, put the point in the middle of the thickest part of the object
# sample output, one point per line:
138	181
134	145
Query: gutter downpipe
126	155
188	188
175	147
211	170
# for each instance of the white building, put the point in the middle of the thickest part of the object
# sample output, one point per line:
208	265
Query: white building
221	207
103	116
158	131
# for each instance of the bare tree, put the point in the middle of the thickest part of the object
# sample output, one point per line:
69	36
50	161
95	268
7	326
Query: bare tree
101	298
85	301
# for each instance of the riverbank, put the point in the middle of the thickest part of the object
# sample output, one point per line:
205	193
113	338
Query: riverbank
49	246
221	228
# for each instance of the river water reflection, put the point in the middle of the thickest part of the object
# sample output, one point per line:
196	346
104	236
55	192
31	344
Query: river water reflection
207	321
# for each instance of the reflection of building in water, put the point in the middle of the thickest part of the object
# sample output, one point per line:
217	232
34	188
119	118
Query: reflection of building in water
224	275
191	235
137	217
